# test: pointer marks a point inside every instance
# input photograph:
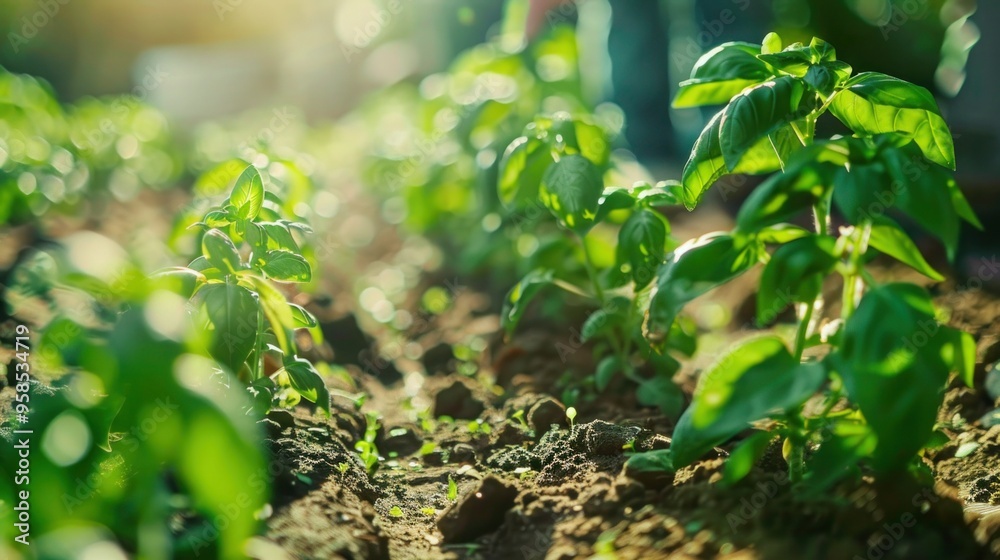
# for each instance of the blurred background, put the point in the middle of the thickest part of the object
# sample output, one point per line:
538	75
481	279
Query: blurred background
314	61
202	59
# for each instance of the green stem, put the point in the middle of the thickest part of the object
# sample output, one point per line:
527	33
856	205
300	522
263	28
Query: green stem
859	245
588	261
803	330
796	460
796	453
258	361
592	271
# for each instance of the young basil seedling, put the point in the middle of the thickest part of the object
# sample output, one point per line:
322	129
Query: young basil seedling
235	282
886	353
558	165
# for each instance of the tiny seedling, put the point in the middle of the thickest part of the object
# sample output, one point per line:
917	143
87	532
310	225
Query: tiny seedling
887	357
571	415
519	418
452	489
366	447
343	467
396	511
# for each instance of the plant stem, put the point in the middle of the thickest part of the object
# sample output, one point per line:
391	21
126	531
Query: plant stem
796	453
803	330
258	360
588	260
796	460
859	245
592	271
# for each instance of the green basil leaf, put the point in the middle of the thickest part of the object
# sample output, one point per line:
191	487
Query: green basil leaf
232	311
279	237
248	194
641	243
613	199
921	190
720	74
517	299
893	364
756	379
285	266
180	280
663	393
795	61
592	142
604	320
755	113
850	440
779	234
889	238
691	270
308	382
220	251
651	461
606	370
874	103
571	190
770	152
822	51
302	317
744	457
524	162
794	274
705	164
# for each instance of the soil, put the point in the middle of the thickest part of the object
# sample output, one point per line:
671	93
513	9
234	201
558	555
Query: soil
540	488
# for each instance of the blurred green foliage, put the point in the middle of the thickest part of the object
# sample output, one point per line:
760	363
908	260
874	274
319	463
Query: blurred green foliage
61	158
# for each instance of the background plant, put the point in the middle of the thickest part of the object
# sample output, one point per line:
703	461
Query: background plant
559	164
886	353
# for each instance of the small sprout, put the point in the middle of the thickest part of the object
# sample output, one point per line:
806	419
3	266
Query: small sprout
479	426
343	466
519	416
427	448
396	511
429	511
571	415
629	445
452	489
